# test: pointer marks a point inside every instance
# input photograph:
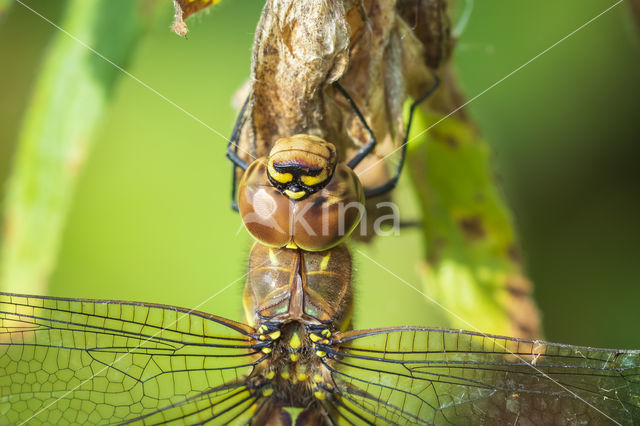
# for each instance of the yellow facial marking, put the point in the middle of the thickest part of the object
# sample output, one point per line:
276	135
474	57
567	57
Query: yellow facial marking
275	335
325	261
295	342
314	180
294	195
272	257
291	246
326	333
270	375
277	176
267	392
266	350
321	354
319	395
294	357
302	377
314	337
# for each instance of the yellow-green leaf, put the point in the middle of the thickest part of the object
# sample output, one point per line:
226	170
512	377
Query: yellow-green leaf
472	263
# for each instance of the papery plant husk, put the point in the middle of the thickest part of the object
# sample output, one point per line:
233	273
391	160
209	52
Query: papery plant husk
301	48
380	50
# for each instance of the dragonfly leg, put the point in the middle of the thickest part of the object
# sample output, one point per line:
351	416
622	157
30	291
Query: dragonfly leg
371	143
232	152
391	183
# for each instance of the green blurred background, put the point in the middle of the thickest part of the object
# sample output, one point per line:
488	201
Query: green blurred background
151	220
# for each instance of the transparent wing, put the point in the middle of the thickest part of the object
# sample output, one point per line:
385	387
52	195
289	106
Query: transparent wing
436	376
87	361
222	405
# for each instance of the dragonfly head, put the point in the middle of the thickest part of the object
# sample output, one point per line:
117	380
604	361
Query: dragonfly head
301	165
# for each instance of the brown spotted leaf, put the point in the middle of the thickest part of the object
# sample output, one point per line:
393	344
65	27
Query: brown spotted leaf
472	263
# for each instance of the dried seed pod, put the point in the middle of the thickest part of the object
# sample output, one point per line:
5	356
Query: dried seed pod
429	21
299	48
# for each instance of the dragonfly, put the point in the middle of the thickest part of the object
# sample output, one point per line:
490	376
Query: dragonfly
296	357
68	361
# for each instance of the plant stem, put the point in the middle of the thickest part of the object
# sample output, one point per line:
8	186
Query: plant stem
70	96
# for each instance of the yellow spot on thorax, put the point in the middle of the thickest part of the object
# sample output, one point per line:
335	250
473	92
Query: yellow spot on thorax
295	342
272	257
325	261
275	335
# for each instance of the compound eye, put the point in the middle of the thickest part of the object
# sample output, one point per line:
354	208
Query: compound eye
264	211
328	217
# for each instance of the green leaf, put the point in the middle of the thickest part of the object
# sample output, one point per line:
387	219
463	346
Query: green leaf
472	263
70	96
4	5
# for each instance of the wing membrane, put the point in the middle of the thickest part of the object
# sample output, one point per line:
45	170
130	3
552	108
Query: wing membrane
435	376
221	405
87	361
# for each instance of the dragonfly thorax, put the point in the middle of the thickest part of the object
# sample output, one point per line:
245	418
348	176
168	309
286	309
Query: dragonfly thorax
295	374
311	288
